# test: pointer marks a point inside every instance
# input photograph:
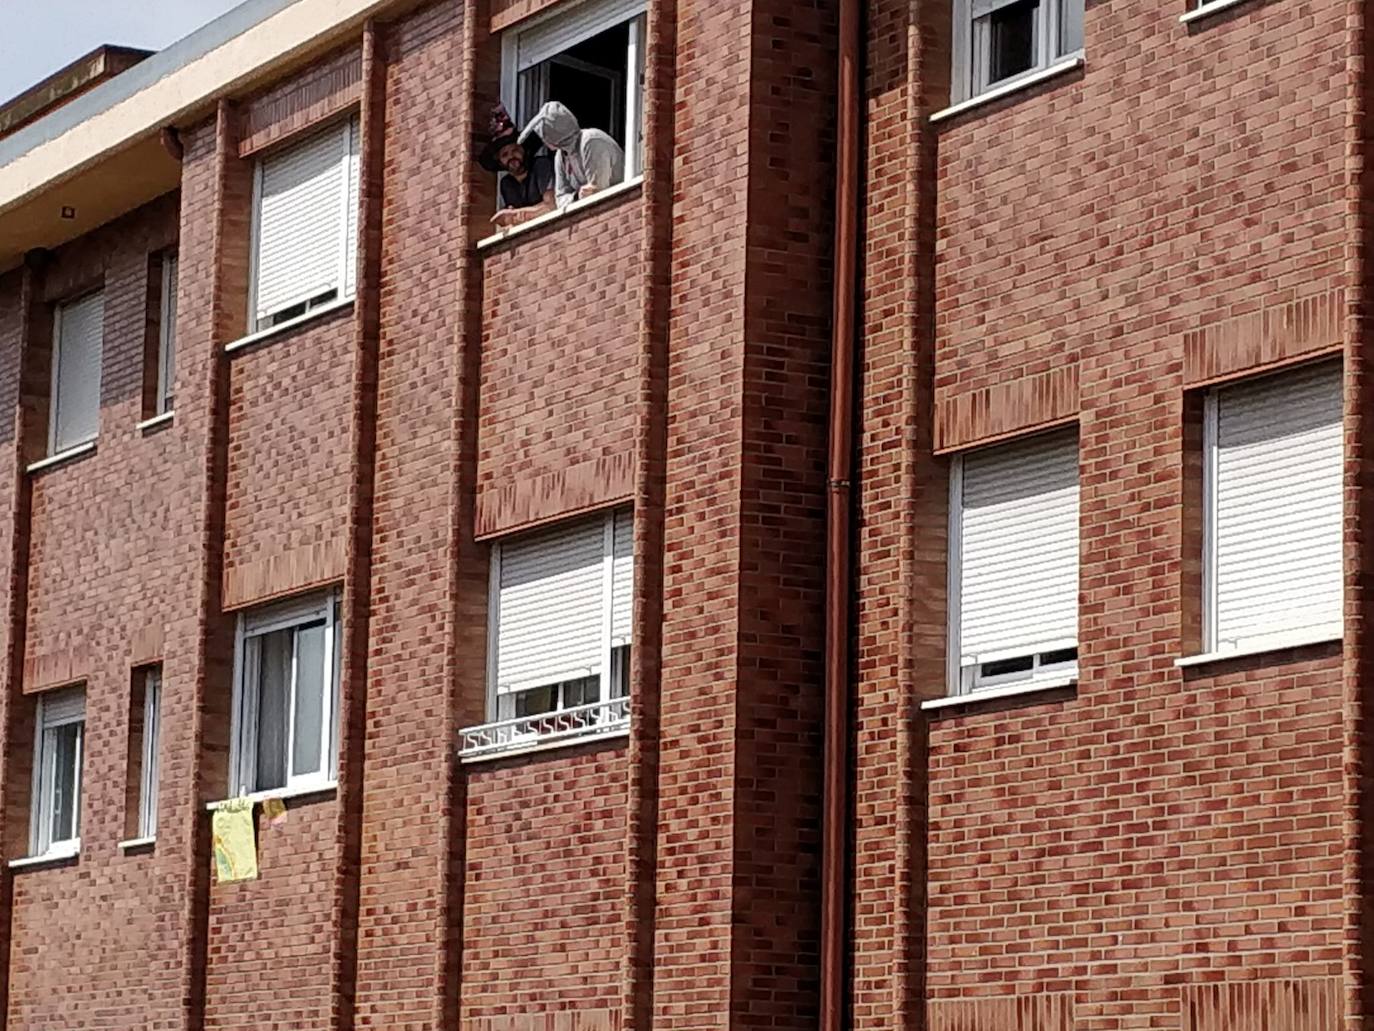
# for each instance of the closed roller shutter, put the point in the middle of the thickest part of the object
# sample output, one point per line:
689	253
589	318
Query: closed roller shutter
351	210
1277	507
550	613
1018	528
305	194
554	35
623	580
76	377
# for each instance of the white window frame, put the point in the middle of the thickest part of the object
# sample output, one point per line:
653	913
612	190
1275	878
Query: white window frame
41	841
1211	643
166	336
257	623
613	672
54	389
972	58
1045	666
633	94
148	768
347	256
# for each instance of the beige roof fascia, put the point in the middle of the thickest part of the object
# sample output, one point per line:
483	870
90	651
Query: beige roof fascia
192	85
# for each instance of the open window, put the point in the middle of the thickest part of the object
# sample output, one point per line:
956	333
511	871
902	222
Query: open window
55	827
286	704
590	57
998	41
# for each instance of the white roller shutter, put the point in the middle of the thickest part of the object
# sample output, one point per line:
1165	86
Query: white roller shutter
1018	541
351	210
549	620
1276	507
79	331
623	579
567	28
302	226
67	705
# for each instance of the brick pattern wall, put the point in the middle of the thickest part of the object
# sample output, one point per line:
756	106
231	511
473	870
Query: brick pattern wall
558	371
546	871
289	462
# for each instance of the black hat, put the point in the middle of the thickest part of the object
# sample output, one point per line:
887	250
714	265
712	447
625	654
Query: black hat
501	133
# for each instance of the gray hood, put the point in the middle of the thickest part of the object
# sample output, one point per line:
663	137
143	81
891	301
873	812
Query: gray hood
555	125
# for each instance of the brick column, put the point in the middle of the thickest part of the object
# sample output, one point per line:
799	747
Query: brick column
902	498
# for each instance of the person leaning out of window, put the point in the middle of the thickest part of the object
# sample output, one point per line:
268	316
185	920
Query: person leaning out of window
585	160
527	186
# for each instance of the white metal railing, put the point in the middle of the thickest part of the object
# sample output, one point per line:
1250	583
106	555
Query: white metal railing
526	733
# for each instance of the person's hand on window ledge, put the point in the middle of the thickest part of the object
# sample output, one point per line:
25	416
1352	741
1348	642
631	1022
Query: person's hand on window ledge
587	191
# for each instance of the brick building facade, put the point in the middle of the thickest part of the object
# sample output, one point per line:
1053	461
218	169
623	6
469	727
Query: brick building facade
500	557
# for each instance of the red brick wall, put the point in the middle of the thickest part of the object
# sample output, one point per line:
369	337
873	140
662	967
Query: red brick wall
268	939
559	379
543	925
1157	829
289	461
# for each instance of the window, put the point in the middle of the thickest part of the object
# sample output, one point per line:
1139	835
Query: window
305	225
286	696
996	41
166	336
561	617
78	334
145	707
1272	561
1013	579
591	58
61	730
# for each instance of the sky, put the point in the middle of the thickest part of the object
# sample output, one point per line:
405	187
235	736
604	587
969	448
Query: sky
40	36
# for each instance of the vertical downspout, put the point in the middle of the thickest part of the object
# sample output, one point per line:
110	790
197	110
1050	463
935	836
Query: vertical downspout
834	836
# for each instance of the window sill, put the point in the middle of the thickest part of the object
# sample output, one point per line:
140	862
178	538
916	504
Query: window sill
1277	643
131	844
1207	10
1028	80
287	326
61	457
550	217
155	421
304	791
61	854
1010	691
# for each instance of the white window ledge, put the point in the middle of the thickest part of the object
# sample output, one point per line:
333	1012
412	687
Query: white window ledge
608	733
560	729
303	791
1026	81
155	421
133	843
601	196
62	456
1010	691
1207	10
287	326
1262	646
59	854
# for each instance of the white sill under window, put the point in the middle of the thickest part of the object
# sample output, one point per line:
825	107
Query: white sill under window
129	844
155	421
1004	89
988	694
76	451
501	235
1262	646
57	854
299	791
288	325
1207	10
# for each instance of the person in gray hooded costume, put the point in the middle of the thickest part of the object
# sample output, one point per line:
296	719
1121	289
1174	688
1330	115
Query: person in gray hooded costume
585	160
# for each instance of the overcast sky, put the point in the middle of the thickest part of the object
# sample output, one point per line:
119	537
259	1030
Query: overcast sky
40	36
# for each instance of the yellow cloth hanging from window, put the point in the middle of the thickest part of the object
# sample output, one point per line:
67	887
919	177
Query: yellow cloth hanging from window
236	847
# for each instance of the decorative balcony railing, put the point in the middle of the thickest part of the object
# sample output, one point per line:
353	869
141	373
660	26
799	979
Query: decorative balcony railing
528	733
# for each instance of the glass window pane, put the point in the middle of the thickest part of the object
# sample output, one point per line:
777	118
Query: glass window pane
309	700
274	692
65	742
1013	39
